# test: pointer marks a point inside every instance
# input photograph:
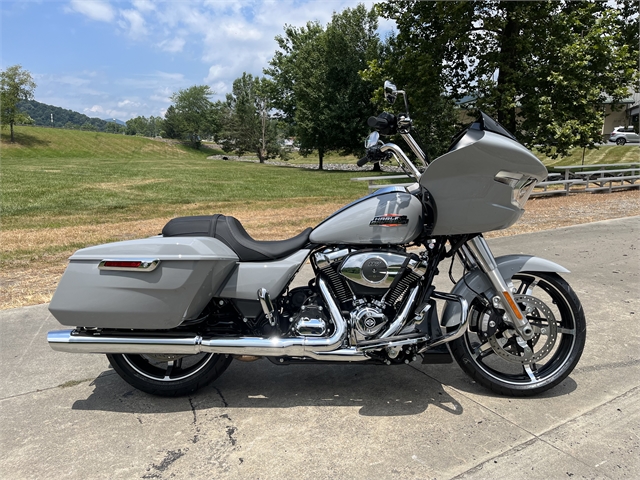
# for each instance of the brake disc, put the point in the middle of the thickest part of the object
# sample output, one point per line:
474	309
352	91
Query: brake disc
514	349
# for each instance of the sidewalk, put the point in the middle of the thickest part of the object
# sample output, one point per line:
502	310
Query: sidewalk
70	416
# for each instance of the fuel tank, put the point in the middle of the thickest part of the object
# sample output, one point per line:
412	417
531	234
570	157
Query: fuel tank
388	216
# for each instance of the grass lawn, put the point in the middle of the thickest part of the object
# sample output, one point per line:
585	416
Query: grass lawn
605	154
56	178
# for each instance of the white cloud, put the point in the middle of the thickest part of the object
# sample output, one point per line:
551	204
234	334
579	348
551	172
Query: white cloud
95	109
133	22
94	9
241	31
220	89
144	5
173	45
216	72
119	114
128	103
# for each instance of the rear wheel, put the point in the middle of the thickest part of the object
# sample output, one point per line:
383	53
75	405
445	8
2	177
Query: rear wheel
169	375
496	357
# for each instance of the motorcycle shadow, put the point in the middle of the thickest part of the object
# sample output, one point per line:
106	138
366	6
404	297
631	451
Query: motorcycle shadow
374	390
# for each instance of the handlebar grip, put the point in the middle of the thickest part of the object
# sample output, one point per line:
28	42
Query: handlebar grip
378	123
385	123
363	161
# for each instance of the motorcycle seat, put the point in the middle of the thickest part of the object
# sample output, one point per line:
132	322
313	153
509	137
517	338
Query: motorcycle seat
230	231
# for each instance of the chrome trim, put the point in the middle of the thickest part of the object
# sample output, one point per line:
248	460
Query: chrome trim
267	306
393	343
146	264
311	327
464	320
415	148
351	268
329	256
402	158
70	341
400	320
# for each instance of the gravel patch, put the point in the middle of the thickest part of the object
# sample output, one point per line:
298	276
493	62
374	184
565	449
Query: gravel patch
341	167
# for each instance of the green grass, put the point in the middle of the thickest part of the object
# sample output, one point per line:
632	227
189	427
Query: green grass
53	178
605	154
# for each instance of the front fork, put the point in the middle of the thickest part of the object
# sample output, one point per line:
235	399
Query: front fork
478	249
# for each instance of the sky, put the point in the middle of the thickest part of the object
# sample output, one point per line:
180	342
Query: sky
122	59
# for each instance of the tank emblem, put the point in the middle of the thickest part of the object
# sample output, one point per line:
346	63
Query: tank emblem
389	220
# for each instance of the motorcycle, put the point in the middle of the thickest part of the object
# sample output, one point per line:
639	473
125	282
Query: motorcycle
172	311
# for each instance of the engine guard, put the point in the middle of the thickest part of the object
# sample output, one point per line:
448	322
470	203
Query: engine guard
476	281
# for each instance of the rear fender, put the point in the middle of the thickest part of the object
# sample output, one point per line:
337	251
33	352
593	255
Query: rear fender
477	281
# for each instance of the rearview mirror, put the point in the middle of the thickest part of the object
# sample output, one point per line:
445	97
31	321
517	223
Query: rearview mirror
372	140
390	92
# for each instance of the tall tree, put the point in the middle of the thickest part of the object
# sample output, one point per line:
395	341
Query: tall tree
249	125
171	127
543	68
196	112
16	84
316	71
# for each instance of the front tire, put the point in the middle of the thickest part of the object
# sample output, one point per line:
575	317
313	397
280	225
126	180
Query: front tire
621	141
503	362
169	375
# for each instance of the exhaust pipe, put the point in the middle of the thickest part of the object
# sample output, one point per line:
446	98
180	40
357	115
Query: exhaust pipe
317	347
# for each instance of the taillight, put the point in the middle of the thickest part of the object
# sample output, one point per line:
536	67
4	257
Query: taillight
124	265
117	264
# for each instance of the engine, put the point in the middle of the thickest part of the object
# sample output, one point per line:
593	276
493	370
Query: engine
370	284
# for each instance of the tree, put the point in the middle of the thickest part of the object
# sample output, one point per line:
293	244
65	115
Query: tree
171	125
248	124
196	112
542	68
136	126
321	92
88	127
15	84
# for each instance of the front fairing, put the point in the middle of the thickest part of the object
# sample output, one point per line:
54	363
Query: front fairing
463	183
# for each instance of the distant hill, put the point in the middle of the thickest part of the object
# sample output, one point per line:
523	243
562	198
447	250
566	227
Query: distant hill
119	122
41	115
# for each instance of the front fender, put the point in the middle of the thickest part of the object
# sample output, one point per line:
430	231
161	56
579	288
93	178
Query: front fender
477	281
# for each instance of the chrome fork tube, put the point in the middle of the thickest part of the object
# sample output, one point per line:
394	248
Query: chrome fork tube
484	258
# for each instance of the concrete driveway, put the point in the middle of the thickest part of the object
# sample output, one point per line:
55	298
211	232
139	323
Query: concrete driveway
70	416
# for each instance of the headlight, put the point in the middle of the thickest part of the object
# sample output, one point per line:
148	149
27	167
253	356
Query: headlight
521	185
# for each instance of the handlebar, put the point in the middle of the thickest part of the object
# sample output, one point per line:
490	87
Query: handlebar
363	161
385	123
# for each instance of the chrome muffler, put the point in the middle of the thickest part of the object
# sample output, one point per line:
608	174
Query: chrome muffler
321	348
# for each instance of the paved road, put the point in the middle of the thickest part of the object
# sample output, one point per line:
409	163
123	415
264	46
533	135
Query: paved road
70	416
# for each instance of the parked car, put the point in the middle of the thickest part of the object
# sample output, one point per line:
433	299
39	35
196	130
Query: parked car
622	135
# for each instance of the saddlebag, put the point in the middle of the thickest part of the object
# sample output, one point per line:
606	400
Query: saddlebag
152	283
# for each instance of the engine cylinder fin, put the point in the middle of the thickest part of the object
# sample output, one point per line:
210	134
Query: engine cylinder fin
337	283
401	287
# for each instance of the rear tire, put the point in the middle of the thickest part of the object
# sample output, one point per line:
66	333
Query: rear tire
169	375
506	364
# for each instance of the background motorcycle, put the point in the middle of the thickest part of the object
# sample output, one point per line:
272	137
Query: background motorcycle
172	311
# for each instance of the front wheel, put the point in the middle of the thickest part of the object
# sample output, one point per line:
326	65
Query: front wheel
621	141
496	357
169	375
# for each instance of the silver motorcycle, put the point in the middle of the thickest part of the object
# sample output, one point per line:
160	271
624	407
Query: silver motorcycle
172	311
